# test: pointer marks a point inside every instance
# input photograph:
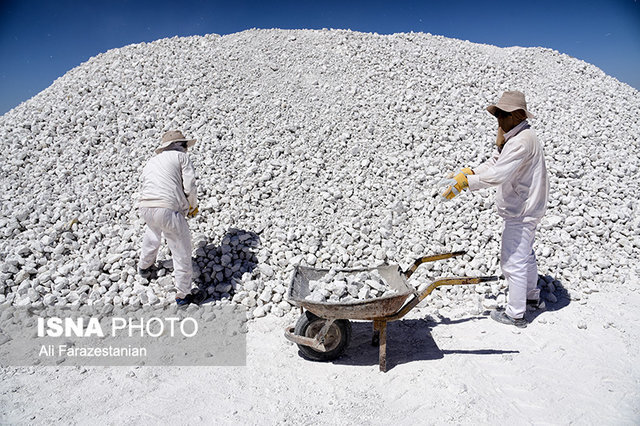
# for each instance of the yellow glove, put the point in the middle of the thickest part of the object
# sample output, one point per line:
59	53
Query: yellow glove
456	185
192	212
467	171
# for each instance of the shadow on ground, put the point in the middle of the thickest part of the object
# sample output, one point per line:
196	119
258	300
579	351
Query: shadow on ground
222	264
407	341
411	340
552	292
555	297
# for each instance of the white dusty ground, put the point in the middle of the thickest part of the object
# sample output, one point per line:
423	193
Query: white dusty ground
468	370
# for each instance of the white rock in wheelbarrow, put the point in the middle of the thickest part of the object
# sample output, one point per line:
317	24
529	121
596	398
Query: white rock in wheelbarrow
344	287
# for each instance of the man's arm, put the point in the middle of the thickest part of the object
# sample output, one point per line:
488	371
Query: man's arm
487	164
189	182
500	168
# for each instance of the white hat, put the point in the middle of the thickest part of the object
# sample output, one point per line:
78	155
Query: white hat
509	102
173	136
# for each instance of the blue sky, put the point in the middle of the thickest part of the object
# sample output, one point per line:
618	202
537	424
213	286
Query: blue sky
42	40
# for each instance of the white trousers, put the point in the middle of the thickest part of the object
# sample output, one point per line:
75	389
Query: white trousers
518	263
175	229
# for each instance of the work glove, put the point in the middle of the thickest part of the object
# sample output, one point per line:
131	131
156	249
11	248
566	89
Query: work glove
467	171
192	212
455	186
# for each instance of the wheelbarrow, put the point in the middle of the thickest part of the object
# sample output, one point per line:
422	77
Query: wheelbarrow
323	331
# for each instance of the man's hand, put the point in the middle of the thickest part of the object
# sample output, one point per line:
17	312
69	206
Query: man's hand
467	171
192	212
455	185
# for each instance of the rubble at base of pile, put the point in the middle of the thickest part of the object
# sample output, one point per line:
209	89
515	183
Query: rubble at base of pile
320	148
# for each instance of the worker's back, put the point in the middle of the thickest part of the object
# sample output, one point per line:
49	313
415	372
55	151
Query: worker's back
162	181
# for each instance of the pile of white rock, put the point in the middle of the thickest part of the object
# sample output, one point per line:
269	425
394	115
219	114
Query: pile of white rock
326	145
346	287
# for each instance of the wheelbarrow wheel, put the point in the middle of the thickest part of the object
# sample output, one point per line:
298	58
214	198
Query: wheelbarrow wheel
335	342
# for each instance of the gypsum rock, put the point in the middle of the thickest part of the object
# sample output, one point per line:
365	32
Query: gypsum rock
345	287
332	158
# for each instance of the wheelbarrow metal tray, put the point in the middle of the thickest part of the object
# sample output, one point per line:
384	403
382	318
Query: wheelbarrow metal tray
357	310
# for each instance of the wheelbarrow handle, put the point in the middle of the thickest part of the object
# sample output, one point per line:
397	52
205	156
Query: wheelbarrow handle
431	258
419	297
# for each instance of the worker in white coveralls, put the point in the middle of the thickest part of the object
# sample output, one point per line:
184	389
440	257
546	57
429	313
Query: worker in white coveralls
168	194
517	168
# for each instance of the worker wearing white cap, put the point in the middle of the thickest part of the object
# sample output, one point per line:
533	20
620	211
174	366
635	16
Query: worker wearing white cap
517	168
168	194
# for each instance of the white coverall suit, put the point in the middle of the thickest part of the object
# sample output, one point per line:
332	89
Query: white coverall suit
168	191
520	174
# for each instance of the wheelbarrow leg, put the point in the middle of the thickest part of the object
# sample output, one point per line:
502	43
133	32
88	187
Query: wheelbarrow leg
375	339
380	327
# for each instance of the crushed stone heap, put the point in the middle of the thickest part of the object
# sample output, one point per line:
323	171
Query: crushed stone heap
320	148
